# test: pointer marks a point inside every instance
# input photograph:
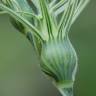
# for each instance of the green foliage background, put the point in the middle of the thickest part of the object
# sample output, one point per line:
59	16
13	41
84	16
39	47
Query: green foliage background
20	74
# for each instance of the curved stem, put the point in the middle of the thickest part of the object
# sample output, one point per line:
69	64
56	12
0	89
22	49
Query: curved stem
22	20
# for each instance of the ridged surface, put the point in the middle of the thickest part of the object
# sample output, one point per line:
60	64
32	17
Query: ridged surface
59	60
46	24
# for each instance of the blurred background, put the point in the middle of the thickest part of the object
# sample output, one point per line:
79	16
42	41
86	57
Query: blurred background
20	74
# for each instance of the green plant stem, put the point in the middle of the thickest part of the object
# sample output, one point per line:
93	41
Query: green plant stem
66	91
